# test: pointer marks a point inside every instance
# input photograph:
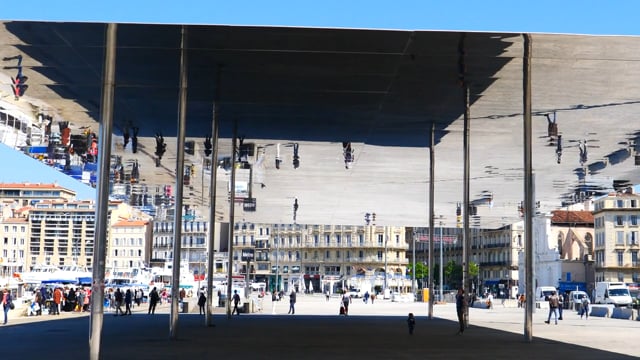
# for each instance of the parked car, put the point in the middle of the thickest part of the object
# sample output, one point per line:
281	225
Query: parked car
575	297
356	293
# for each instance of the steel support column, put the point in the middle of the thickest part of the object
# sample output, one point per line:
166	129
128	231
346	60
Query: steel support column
528	190
212	210
232	205
102	192
432	171
466	242
177	221
466	238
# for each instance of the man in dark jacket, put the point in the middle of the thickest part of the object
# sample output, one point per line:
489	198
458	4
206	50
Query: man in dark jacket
153	300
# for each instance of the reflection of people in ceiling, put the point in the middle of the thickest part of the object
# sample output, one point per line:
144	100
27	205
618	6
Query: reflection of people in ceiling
135	172
18	83
559	149
347	151
93	148
278	158
208	146
296	157
552	125
583	152
134	140
125	134
161	147
65	132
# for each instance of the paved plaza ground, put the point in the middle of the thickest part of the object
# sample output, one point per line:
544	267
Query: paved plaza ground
316	331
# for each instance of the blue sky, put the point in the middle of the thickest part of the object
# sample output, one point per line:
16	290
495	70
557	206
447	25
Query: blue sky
576	17
25	169
557	16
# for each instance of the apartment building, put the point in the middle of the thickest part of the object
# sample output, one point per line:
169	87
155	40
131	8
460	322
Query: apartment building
617	237
14	234
194	238
319	258
129	245
27	193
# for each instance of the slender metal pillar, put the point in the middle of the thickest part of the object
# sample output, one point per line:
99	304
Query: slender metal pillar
466	241
102	206
232	205
432	171
528	190
177	221
212	214
413	259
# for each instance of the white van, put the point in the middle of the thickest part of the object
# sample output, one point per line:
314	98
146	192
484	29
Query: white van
575	297
543	292
616	293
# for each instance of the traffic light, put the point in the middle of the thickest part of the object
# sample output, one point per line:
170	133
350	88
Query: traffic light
367	218
373	218
193	169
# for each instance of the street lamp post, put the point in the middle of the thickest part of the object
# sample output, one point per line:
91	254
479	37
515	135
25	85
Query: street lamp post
386	238
275	289
413	273
441	258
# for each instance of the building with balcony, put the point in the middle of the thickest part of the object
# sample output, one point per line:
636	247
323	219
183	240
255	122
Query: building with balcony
27	193
63	232
320	258
617	232
129	246
496	252
194	245
14	234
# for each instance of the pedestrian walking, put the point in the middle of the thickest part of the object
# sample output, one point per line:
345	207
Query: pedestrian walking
153	301
202	301
346	300
57	301
128	300
560	306
461	309
553	307
7	304
292	303
119	298
236	301
585	307
411	322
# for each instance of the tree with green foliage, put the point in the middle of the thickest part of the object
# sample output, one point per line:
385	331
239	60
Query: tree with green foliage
422	272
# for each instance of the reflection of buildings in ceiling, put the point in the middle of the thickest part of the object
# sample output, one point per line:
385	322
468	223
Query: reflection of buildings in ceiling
499	53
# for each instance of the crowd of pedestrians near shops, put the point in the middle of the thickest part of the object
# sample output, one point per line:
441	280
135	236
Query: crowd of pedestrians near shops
54	300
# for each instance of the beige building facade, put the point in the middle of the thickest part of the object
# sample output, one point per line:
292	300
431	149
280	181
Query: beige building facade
617	237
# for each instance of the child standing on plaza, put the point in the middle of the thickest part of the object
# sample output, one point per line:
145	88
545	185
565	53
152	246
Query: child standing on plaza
411	322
